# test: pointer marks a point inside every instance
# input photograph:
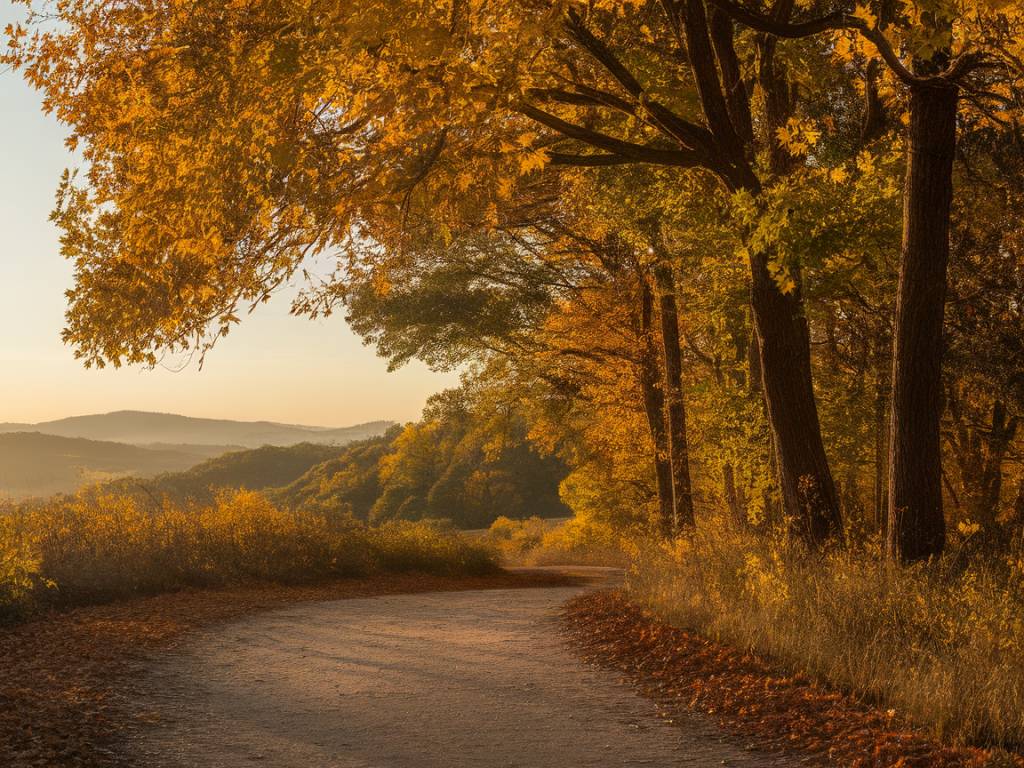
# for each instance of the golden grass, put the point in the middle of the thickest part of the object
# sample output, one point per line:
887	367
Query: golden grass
941	644
536	541
78	550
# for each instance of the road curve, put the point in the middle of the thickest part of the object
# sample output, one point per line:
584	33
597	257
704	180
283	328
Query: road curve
439	680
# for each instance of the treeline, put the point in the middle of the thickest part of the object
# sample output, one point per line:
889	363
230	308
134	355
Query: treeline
724	255
468	461
267	467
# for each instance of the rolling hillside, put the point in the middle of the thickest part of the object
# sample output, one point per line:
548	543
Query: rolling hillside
350	481
258	469
144	428
33	464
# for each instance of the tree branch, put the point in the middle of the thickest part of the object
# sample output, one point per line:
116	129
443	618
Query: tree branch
584	97
625	150
689	134
839	20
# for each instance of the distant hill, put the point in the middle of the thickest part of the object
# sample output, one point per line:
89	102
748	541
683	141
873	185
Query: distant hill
33	464
258	469
349	482
144	428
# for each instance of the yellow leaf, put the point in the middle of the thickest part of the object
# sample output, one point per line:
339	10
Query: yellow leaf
532	161
838	175
863	13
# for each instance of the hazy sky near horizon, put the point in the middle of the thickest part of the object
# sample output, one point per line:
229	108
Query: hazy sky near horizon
273	366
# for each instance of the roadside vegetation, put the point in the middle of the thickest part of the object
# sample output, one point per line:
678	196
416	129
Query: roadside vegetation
72	551
301	514
940	644
536	541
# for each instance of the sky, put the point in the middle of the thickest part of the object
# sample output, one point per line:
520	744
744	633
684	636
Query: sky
273	366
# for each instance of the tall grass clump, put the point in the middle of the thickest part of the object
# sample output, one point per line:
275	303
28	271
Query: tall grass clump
577	541
73	551
941	643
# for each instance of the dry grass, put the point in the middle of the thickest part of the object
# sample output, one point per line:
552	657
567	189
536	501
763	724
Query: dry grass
535	541
942	645
769	708
80	551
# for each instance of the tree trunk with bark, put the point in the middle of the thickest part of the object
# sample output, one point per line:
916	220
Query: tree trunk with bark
808	491
809	498
880	460
654	408
979	451
770	498
734	500
678	447
916	526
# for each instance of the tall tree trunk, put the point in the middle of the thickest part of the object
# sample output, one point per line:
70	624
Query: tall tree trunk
880	457
979	453
882	359
770	499
1001	433
733	499
916	526
678	447
849	499
808	492
654	407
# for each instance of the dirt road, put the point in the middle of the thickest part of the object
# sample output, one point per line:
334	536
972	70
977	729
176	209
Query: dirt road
439	680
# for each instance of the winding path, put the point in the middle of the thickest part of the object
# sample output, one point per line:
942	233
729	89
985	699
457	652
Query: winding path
440	680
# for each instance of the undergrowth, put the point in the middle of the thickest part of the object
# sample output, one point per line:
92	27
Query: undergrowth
536	541
940	643
79	550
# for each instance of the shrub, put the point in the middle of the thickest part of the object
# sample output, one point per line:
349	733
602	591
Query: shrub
942	644
578	541
78	550
430	547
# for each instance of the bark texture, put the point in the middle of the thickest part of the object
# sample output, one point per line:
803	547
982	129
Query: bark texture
979	451
808	492
916	526
678	448
654	408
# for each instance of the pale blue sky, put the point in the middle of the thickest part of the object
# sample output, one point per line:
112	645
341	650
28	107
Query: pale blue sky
273	366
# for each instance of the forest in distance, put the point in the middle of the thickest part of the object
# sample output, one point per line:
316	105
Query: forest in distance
439	468
735	285
63	456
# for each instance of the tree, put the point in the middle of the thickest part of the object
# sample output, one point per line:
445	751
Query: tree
227	145
933	78
468	461
479	297
682	491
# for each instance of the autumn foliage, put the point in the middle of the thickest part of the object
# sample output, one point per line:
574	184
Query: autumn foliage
84	550
749	272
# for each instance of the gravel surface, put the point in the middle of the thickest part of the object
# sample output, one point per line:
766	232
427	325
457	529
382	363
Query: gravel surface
445	680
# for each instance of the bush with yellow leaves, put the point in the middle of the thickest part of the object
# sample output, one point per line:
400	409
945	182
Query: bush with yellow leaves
577	541
78	550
